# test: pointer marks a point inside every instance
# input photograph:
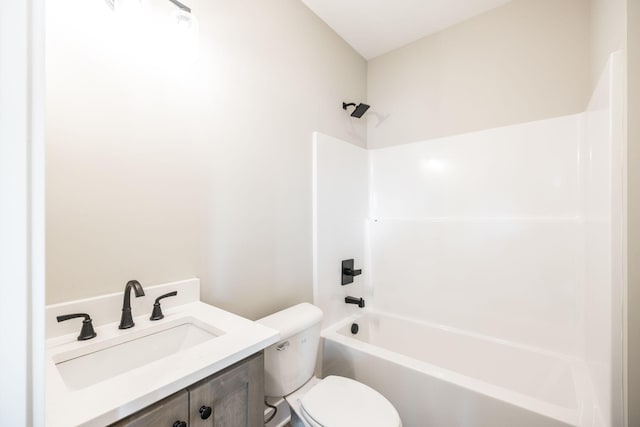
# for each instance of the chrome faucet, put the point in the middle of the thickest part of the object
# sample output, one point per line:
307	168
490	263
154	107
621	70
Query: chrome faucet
126	321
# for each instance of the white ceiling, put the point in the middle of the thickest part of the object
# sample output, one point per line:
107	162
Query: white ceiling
374	27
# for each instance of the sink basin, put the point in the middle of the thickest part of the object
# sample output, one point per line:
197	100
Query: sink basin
116	356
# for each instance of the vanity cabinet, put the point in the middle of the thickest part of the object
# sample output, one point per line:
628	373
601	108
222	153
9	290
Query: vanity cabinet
233	397
172	410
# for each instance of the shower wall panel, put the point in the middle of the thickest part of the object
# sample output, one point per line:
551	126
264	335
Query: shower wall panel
482	232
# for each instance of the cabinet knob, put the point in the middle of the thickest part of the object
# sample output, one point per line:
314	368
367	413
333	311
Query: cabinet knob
205	412
180	424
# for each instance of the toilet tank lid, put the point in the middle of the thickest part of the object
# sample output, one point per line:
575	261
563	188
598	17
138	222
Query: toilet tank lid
293	320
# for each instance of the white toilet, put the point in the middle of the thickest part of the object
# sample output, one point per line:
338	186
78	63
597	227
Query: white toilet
331	402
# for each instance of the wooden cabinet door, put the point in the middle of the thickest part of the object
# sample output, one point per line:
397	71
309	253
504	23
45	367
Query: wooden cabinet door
174	409
235	396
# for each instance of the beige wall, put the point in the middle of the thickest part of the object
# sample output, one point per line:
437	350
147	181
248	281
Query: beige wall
161	168
524	61
607	33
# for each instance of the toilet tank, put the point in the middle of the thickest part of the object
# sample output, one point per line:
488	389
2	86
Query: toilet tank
290	362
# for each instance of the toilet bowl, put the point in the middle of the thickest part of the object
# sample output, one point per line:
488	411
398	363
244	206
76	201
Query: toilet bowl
342	402
330	402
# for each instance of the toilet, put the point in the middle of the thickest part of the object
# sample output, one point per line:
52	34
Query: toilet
290	384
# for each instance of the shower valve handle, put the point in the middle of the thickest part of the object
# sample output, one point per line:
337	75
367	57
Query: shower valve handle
348	271
351	272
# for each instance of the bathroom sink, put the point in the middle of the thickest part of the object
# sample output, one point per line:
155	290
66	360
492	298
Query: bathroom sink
104	360
99	381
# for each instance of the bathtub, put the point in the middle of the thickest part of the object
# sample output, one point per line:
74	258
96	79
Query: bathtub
442	377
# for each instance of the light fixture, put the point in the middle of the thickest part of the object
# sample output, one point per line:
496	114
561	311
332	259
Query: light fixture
181	6
184	20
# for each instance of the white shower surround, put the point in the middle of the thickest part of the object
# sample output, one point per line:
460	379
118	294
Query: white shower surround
514	233
603	210
480	231
340	212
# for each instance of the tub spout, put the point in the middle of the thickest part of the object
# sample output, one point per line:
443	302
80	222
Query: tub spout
354	300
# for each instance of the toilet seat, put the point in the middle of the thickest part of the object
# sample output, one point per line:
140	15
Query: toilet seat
342	402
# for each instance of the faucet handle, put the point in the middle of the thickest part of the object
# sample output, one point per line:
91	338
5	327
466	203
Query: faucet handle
87	332
157	310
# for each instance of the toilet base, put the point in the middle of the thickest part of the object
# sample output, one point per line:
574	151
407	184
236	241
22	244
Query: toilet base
283	414
297	419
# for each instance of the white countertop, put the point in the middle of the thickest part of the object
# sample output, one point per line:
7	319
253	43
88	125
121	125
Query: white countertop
122	395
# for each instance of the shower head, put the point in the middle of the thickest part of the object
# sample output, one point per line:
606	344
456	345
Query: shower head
358	111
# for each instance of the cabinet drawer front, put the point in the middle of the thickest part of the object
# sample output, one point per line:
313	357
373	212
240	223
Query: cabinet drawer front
165	413
231	398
